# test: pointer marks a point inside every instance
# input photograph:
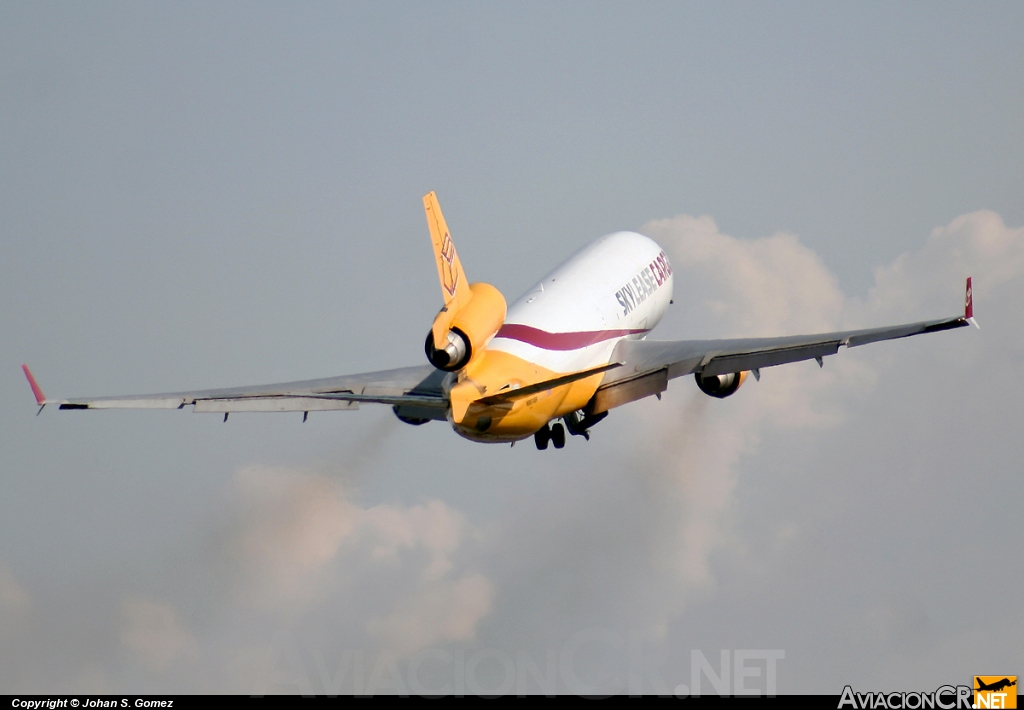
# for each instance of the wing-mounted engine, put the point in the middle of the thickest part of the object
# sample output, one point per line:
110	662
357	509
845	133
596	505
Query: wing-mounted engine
469	329
720	386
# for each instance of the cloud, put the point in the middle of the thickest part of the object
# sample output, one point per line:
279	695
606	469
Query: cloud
977	244
287	525
14	599
294	566
154	633
758	287
444	611
300	540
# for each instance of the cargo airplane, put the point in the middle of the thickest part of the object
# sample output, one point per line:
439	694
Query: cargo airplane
568	351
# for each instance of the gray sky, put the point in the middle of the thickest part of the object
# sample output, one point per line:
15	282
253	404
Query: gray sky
198	196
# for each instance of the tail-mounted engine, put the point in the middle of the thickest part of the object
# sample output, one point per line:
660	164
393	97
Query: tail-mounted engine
472	313
468	330
720	386
453	356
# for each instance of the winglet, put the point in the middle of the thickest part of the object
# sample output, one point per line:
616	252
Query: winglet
36	389
969	305
454	284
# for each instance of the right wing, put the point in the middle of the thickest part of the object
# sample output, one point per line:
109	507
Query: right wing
648	365
415	391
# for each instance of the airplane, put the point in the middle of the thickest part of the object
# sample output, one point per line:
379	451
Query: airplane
997	685
568	351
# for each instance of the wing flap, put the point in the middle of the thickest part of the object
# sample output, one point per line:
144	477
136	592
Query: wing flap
626	391
272	404
411	400
904	331
126	403
740	362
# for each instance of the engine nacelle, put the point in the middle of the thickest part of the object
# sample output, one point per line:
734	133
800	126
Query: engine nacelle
454	355
720	386
472	327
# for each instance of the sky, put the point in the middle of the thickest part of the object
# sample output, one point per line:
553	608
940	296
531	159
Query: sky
197	195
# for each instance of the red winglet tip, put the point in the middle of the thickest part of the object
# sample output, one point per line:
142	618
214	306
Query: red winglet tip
40	397
969	301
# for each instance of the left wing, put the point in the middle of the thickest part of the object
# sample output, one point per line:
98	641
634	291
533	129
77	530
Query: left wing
415	390
647	365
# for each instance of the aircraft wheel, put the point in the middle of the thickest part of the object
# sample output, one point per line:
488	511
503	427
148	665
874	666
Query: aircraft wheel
542	436
558	435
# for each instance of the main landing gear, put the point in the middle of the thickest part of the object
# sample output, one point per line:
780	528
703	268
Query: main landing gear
554	433
577	423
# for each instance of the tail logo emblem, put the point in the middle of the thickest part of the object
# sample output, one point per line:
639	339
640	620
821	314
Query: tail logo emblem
450	279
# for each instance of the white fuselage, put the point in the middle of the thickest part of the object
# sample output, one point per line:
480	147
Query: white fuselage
619	286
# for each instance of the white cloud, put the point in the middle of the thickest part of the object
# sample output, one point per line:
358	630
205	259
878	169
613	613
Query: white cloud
14	599
304	543
288	525
759	287
154	633
978	244
433	526
438	612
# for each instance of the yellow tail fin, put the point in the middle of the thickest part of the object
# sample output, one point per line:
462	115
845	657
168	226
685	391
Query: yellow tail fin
454	284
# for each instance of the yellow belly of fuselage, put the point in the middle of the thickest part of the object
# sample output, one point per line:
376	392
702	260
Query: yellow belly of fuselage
493	372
